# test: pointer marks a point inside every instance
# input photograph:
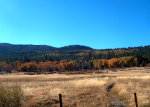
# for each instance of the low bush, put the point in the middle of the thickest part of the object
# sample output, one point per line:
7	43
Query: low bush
11	95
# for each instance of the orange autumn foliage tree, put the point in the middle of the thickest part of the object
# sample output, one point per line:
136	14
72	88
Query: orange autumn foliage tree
46	66
63	65
68	66
28	66
101	63
117	62
4	66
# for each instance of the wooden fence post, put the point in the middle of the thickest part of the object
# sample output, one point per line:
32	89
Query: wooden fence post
135	97
60	100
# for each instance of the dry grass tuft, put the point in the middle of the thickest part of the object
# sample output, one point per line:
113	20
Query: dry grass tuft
11	95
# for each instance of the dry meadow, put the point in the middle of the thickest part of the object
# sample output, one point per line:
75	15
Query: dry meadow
105	89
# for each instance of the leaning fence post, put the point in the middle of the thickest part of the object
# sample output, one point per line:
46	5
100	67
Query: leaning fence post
135	97
60	100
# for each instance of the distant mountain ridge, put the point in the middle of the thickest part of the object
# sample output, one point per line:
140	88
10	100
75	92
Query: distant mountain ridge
21	47
32	47
19	52
75	47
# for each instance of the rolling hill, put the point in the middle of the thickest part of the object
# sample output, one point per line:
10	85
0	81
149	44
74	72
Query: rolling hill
11	52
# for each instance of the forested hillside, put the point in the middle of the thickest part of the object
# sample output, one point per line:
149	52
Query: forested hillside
68	58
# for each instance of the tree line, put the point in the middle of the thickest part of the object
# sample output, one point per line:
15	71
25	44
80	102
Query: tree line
74	65
69	59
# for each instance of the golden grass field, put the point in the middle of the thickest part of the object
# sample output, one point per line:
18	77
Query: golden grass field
105	89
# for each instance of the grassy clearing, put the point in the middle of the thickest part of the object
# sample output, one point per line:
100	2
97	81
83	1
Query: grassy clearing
88	90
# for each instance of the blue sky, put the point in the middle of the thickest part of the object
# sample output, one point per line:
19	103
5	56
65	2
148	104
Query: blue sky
96	23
